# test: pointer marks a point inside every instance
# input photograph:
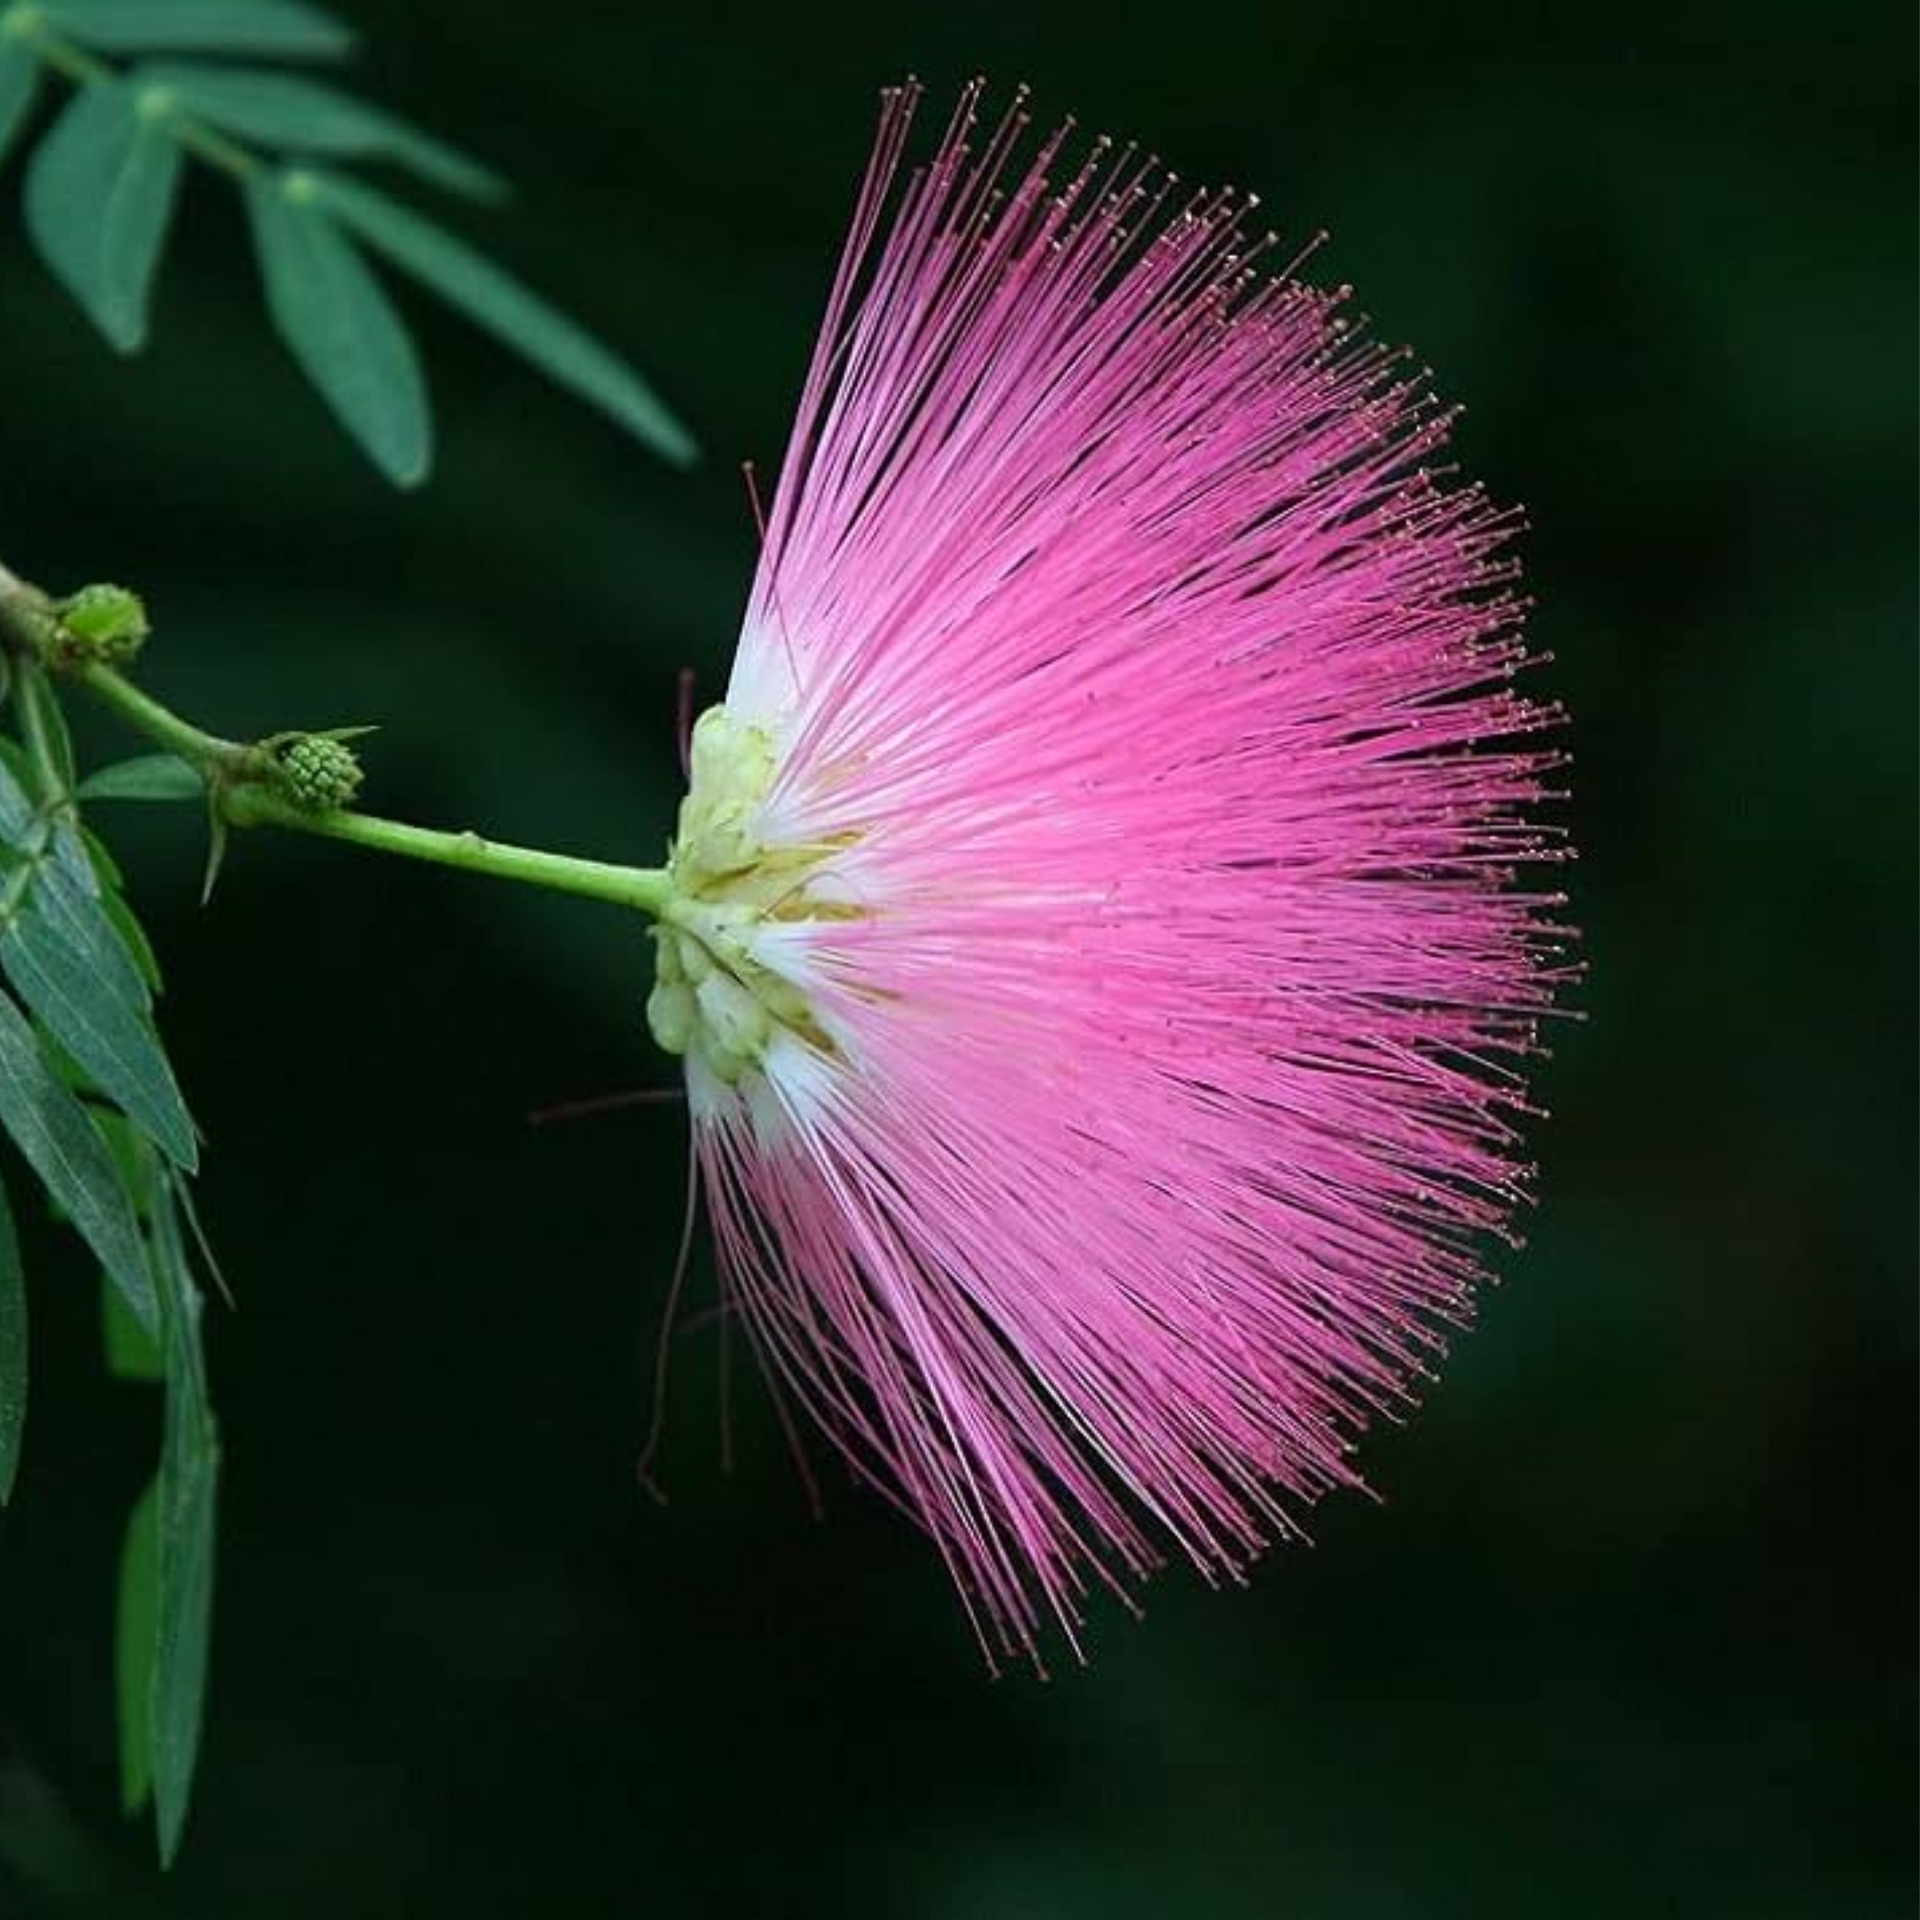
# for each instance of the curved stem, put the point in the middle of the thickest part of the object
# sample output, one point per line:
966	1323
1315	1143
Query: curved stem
74	63
162	725
242	776
645	888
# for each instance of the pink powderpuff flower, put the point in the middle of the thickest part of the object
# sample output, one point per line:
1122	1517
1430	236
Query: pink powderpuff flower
1096	945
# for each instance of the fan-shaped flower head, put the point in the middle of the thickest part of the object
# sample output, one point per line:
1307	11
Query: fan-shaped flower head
1096	945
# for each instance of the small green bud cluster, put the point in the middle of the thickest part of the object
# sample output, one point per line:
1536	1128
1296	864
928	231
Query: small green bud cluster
101	623
318	772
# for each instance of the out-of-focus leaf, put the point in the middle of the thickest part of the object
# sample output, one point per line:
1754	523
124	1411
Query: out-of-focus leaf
100	195
284	27
307	116
130	1350
341	327
114	1042
19	81
61	1144
508	310
189	1475
13	1350
135	1635
148	776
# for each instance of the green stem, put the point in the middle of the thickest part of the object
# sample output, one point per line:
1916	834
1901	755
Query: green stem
164	727
73	62
241	776
53	49
646	888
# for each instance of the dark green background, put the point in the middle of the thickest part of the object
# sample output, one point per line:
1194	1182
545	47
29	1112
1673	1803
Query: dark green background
1632	1632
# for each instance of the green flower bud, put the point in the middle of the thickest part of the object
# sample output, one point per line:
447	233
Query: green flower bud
319	772
103	622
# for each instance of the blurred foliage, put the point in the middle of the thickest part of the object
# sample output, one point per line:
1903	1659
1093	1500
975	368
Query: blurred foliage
1633	1629
101	189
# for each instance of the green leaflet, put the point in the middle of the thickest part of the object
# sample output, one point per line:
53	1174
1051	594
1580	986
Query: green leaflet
165	1613
282	27
135	1634
307	116
20	824
19	81
107	877
111	1038
13	1350
65	890
147	776
65	954
189	1475
61	1144
99	198
44	726
508	310
341	328
133	936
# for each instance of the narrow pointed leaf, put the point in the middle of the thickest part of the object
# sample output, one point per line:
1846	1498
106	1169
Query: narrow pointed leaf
82	918
67	863
21	825
13	1350
67	892
284	27
290	111
133	937
148	776
62	1145
66	888
135	1636
46	722
183	1197
189	1474
100	195
19	81
107	877
112	1041
341	327
494	300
